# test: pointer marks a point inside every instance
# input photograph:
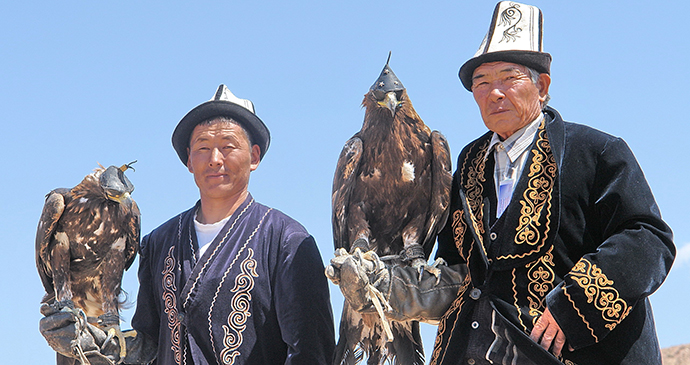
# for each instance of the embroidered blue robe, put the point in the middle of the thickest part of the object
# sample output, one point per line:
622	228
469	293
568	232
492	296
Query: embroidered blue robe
258	295
582	235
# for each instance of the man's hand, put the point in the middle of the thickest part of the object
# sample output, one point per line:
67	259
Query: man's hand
548	333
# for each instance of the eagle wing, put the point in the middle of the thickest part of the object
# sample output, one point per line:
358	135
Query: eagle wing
346	173
441	181
133	229
52	211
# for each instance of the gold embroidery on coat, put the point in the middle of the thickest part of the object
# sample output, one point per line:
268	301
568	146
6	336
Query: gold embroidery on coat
474	186
537	197
600	291
459	229
170	304
515	298
541	277
456	307
596	339
240	303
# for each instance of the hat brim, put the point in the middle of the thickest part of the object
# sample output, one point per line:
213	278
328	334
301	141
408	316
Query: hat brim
539	61
257	130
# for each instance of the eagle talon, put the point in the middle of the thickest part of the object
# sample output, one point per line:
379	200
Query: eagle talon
432	269
111	324
115	332
110	334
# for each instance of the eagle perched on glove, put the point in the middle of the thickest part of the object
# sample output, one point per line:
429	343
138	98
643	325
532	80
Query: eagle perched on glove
87	237
391	193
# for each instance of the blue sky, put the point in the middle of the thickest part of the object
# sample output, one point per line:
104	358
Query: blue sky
106	82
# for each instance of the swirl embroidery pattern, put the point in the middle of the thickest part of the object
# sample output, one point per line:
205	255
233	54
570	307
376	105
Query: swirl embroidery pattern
170	303
475	179
507	17
244	283
541	277
537	196
599	290
459	228
241	301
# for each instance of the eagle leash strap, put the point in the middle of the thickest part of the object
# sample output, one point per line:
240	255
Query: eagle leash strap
379	301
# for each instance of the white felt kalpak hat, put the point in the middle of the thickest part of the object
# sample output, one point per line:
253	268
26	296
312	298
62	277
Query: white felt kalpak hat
515	35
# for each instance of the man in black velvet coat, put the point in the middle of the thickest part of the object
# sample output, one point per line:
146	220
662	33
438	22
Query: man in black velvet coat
552	225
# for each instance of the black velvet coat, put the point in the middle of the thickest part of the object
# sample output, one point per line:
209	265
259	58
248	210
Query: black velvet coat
582	236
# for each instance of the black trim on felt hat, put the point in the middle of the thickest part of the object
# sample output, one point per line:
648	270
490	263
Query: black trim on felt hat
219	107
539	61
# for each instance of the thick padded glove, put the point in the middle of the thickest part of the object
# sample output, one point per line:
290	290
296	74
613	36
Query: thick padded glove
360	276
67	331
427	297
405	292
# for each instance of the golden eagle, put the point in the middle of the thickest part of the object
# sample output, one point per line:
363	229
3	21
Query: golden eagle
86	238
391	193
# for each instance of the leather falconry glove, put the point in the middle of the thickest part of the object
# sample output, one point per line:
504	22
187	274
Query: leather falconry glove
68	332
405	295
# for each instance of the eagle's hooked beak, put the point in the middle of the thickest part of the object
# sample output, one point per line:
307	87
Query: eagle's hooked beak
124	199
391	102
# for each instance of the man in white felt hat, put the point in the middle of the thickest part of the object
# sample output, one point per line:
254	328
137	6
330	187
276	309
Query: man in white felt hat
554	221
229	281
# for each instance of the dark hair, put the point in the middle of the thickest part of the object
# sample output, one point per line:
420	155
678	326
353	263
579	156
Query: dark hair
224	119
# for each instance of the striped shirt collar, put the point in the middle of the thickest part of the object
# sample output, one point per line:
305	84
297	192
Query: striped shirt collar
518	142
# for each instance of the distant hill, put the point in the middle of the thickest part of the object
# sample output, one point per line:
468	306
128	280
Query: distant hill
676	355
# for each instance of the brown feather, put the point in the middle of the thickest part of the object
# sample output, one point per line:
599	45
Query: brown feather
369	192
391	186
84	242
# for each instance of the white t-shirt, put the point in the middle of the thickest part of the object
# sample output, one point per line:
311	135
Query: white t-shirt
206	233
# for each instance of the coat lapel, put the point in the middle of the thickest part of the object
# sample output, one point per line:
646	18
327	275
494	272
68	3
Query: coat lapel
199	267
527	228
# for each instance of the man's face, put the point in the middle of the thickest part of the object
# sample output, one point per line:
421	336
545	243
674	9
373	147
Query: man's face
507	98
221	160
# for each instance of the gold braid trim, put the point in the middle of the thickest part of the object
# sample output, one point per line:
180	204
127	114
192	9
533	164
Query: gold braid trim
459	229
600	291
541	277
456	307
537	196
474	185
596	339
517	304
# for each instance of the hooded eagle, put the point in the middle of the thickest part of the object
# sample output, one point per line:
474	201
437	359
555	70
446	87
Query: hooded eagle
391	193
86	238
